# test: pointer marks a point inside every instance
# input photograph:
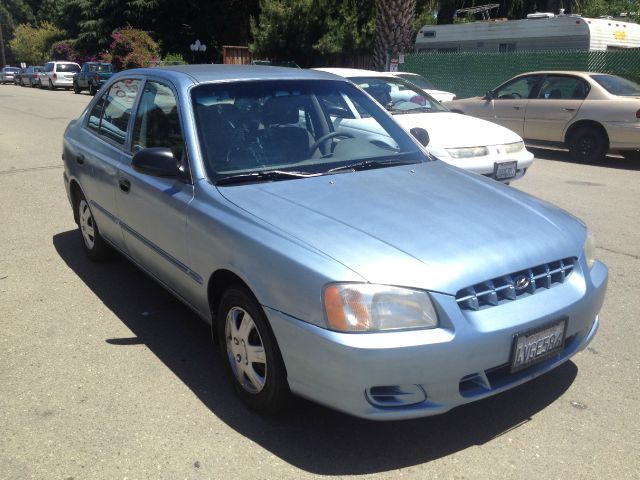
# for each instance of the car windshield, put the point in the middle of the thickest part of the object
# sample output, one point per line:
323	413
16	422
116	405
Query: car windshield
618	85
67	67
285	129
398	95
417	80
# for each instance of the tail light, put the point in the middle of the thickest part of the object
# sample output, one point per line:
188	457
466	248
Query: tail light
454	97
419	99
55	76
638	114
97	78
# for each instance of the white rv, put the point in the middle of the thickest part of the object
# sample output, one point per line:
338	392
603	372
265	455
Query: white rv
539	32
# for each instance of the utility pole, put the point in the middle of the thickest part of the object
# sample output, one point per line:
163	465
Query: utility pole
3	60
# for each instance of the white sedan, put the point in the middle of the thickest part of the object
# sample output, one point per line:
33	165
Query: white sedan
466	142
421	82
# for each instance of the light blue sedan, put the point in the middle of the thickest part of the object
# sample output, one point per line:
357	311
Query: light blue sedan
345	266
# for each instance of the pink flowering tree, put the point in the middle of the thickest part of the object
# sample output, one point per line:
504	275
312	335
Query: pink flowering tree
64	50
132	48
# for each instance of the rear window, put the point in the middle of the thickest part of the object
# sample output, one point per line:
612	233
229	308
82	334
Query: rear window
11	70
618	85
67	67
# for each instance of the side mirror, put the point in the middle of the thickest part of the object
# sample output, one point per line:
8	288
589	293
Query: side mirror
157	162
421	135
489	95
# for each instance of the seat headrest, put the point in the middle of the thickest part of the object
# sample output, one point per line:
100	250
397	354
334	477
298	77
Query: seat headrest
280	111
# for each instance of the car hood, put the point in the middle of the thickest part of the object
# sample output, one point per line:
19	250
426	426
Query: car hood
429	225
454	130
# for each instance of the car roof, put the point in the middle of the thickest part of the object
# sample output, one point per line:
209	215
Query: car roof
222	72
354	72
563	72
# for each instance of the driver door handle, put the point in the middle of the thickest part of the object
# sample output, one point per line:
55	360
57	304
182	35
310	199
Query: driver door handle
569	109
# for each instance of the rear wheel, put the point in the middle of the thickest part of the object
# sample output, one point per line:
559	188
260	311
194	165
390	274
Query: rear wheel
251	354
588	144
94	245
51	87
76	88
92	89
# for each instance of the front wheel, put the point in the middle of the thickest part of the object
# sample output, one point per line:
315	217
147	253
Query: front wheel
76	88
94	245
251	354
92	89
51	87
588	144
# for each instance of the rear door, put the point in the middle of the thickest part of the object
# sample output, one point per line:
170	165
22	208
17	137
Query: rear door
556	102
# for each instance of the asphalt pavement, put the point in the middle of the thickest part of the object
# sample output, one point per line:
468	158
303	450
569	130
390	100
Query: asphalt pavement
104	375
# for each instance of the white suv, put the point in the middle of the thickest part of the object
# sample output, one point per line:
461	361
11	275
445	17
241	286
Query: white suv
58	74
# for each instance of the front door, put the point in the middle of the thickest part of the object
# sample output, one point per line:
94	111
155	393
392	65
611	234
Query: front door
510	102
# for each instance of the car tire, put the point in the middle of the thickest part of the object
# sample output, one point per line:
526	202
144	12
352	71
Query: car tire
76	88
261	384
588	144
632	155
50	86
92	89
92	242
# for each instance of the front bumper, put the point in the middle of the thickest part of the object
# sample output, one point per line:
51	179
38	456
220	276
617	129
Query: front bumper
485	165
464	360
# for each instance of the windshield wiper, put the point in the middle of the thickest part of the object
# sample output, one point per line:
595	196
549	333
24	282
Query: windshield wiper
263	176
370	164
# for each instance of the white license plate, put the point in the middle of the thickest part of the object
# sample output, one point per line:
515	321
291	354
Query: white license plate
503	170
537	345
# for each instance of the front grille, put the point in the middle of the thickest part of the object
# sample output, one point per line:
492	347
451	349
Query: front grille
515	285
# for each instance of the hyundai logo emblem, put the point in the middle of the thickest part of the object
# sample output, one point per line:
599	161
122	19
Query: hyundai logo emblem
521	282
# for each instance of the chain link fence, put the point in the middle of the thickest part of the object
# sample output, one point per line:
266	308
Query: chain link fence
471	74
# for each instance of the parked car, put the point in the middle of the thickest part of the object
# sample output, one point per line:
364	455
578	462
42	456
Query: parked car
475	145
29	75
58	74
92	76
421	82
344	265
590	114
7	74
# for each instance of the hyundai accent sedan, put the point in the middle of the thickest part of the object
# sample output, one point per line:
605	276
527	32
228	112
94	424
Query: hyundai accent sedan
590	114
347	266
475	145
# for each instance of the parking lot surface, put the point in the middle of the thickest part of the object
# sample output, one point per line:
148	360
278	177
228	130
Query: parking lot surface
103	374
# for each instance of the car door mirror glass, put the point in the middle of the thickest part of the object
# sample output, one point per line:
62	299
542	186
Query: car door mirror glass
421	135
489	95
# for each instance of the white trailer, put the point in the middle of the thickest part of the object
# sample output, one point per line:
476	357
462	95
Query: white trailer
539	32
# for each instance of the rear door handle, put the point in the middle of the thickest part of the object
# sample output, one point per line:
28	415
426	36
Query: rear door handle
569	109
516	107
80	159
125	185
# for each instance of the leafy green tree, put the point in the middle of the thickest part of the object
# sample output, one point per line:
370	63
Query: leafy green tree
348	26
33	44
12	13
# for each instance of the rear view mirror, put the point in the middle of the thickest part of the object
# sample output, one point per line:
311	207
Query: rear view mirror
489	95
421	135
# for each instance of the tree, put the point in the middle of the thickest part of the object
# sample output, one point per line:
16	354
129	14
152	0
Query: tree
33	44
132	48
394	30
12	13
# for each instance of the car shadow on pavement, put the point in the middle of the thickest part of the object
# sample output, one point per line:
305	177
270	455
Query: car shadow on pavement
308	436
611	161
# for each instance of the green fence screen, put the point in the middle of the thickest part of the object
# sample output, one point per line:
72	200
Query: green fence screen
471	74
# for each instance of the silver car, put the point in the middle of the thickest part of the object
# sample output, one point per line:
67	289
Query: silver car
7	74
347	267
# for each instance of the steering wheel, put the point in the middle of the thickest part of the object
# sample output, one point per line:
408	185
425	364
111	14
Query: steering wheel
326	137
516	95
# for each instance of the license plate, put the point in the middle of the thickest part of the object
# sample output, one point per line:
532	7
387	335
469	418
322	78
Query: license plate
537	345
502	170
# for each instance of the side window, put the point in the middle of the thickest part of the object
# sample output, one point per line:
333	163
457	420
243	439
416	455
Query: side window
519	88
48	67
157	122
560	87
110	115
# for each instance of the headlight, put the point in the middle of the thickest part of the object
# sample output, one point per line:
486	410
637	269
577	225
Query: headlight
468	152
513	147
590	249
362	307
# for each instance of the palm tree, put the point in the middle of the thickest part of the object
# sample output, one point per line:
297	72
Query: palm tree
394	30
